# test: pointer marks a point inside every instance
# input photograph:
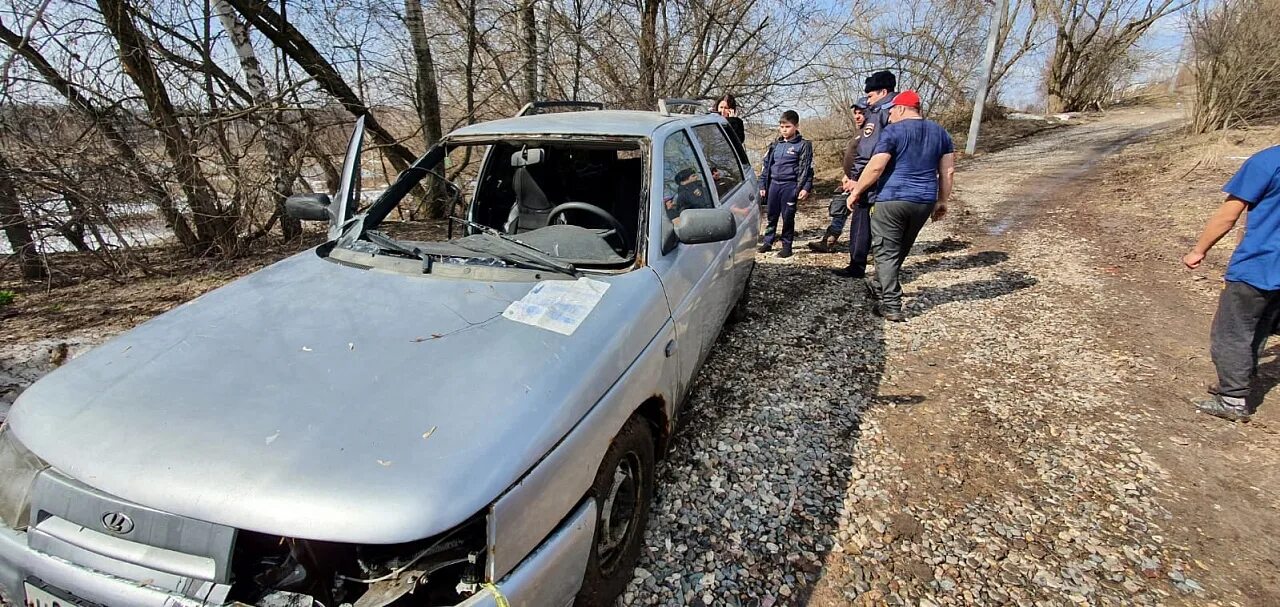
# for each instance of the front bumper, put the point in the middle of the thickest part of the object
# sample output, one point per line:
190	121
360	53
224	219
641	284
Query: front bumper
550	576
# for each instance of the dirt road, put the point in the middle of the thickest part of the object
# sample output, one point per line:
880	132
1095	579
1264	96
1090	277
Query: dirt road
1026	438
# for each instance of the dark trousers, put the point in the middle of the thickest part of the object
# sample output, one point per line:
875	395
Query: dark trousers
1239	334
894	227
860	236
837	221
781	201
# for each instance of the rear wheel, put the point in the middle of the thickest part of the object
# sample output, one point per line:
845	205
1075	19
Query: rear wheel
622	490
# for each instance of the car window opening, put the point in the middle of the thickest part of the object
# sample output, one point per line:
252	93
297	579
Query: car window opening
555	205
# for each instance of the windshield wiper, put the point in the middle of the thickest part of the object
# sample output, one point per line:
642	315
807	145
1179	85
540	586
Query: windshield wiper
539	258
391	244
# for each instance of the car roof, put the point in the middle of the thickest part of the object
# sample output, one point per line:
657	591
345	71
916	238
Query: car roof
627	123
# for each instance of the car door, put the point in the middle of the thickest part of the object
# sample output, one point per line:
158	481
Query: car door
685	270
735	193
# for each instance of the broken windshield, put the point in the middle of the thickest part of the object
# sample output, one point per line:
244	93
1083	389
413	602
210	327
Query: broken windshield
552	204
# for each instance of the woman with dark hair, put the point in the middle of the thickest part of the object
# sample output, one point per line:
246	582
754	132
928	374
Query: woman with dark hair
728	107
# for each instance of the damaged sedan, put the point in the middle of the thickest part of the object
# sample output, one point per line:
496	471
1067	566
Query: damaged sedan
390	420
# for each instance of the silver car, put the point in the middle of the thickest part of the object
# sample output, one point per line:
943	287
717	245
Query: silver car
385	421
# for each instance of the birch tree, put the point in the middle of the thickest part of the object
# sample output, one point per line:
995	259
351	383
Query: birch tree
280	166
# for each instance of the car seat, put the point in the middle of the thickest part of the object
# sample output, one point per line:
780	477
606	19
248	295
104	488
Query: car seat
532	207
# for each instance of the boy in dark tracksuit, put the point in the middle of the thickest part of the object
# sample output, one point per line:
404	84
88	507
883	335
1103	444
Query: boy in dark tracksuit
880	88
785	179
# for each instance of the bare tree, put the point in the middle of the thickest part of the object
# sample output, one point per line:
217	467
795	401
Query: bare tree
281	168
528	15
16	229
298	48
105	121
215	231
1094	38
1236	62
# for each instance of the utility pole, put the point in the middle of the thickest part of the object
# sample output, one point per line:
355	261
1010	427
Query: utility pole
987	63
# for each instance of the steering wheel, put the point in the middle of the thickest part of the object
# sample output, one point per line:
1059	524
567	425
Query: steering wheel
615	228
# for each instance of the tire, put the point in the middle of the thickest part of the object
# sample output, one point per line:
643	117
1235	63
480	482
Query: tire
742	307
623	486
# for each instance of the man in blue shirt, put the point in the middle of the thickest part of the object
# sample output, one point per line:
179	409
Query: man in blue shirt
1250	300
913	167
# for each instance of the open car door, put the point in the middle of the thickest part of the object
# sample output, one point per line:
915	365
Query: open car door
346	198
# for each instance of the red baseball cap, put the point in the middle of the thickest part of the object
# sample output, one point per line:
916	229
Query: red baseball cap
908	98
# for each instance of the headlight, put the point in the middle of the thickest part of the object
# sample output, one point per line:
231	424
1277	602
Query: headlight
18	469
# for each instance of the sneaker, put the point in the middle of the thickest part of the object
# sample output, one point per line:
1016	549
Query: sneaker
887	314
850	272
764	248
1218	407
785	252
819	246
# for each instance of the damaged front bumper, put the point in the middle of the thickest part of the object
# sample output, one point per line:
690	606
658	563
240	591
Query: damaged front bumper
550	576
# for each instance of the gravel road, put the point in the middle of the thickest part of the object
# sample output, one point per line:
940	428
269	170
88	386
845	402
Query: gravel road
974	455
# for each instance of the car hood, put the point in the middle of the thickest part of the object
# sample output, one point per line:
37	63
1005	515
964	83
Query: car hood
322	401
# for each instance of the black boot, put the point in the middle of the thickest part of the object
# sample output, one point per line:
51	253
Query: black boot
850	272
888	314
786	251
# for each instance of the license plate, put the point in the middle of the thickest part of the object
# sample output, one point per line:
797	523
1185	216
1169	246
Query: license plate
41	598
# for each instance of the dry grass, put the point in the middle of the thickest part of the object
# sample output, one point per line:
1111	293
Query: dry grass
1170	184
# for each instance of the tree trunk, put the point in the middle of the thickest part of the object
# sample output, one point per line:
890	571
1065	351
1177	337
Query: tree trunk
16	228
544	54
211	226
273	136
577	48
648	93
115	138
528	16
427	97
296	46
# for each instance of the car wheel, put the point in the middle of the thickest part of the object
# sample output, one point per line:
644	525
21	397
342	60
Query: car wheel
622	490
743	305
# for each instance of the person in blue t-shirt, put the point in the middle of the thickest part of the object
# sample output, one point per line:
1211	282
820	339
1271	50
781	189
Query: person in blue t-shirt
1250	302
913	168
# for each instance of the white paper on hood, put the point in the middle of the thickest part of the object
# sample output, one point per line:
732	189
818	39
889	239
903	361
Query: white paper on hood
558	305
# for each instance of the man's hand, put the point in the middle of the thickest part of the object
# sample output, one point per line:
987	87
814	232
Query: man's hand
851	201
1192	260
802	195
846	184
764	193
939	212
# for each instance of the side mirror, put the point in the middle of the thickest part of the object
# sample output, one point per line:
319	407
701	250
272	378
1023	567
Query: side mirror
308	207
696	226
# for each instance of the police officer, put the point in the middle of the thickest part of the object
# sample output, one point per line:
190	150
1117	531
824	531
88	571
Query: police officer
880	88
838	212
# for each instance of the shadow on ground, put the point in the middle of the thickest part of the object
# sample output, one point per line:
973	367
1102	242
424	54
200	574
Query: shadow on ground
749	496
748	501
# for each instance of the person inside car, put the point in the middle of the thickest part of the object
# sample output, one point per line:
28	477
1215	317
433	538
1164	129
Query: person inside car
690	194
